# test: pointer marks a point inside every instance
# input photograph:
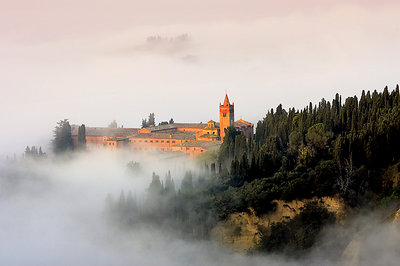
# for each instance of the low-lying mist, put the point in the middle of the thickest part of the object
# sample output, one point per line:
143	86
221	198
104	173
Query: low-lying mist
53	213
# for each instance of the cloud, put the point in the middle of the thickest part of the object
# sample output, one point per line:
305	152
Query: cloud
176	46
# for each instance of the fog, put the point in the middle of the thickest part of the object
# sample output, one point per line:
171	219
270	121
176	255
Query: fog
52	213
92	61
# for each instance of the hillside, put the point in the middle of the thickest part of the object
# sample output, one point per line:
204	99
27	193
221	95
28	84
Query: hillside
303	170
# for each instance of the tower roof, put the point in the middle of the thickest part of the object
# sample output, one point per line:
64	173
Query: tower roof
226	101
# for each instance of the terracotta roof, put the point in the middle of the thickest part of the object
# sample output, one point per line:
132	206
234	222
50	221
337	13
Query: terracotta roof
105	131
191	125
175	126
226	100
200	143
209	136
242	123
162	135
162	127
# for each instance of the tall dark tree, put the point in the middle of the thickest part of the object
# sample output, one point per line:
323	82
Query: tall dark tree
187	182
82	137
152	120
62	141
155	186
113	124
144	123
27	151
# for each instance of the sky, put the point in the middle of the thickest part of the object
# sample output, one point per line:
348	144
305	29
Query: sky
95	61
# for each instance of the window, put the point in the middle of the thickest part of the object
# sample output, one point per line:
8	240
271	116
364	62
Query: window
194	149
140	140
162	141
167	141
156	141
151	141
224	115
145	140
173	141
201	150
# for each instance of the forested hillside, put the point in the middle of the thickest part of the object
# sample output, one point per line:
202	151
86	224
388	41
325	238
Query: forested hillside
340	148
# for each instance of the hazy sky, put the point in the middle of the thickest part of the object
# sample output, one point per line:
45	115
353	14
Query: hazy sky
92	61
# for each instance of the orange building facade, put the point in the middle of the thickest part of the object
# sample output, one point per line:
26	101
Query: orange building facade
191	139
226	116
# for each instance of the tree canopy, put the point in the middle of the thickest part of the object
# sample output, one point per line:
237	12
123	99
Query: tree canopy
62	141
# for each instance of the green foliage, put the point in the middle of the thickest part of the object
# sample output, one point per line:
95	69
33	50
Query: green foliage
82	137
227	149
187	182
151	121
144	123
62	141
34	153
113	124
295	140
228	202
134	167
335	147
155	186
318	137
299	233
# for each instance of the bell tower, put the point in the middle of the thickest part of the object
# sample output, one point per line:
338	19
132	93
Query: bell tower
226	116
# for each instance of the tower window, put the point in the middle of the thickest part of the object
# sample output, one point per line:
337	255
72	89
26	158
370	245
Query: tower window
224	115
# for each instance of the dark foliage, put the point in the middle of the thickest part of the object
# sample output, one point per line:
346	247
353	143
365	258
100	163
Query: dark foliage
62	141
298	234
331	148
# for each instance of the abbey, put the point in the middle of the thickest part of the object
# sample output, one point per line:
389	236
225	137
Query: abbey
186	138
